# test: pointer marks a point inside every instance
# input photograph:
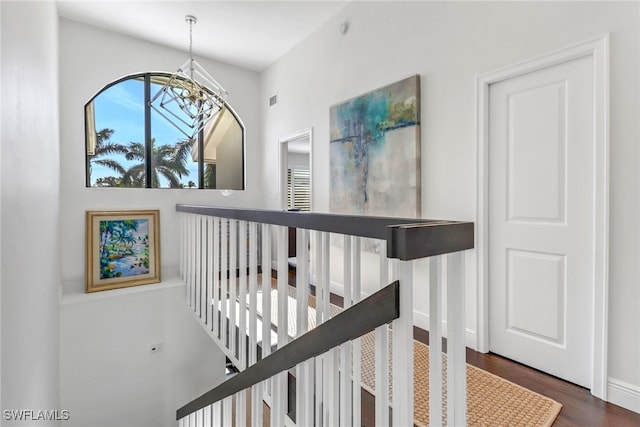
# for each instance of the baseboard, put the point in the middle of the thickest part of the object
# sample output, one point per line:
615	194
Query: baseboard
420	319
338	289
624	394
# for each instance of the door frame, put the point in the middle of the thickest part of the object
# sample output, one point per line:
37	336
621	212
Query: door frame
282	162
598	48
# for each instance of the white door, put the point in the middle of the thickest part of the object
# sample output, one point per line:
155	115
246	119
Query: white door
541	216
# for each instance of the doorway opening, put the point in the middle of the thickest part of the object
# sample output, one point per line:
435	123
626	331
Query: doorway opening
295	179
296	171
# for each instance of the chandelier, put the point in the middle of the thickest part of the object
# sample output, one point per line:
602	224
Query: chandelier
191	96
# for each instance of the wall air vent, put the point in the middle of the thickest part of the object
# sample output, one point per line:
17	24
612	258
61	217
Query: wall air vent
273	100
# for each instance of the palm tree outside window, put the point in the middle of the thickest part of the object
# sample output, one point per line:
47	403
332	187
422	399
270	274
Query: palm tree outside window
128	144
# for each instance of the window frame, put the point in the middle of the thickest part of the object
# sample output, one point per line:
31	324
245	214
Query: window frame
146	78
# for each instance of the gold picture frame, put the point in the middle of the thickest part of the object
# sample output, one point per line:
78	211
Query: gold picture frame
122	249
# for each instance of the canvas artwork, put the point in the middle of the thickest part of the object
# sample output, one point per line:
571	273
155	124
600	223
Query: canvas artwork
375	152
122	249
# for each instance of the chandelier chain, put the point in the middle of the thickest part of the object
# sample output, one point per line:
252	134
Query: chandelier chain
191	20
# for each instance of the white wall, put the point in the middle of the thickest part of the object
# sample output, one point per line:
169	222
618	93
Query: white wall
229	155
449	44
89	59
1	137
110	377
30	175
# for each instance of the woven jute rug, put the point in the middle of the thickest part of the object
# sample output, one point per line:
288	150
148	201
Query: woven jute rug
491	401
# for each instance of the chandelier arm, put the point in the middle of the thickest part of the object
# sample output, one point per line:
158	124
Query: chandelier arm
191	98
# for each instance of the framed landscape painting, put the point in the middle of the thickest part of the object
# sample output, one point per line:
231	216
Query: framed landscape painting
122	249
375	152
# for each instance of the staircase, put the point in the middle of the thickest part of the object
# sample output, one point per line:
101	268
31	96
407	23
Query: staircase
299	358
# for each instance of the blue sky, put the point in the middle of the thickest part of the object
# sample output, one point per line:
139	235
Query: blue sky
121	108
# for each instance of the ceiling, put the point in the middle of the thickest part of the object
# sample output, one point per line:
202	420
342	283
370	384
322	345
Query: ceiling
248	34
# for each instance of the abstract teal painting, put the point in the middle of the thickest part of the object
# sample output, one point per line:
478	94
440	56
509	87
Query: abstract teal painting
122	249
375	152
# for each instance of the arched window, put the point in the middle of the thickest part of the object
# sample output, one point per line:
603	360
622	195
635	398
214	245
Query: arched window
129	144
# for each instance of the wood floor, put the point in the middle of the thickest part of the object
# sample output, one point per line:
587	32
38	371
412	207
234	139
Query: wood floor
579	407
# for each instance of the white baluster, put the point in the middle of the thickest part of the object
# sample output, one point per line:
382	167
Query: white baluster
183	244
185	269
189	258
435	342
198	276
256	389
302	285
209	272
224	297
403	350
347	276
331	363
456	348
319	275
326	276
216	278
382	350
193	256
266	297
346	395
357	351
203	269
304	371
317	271
279	399
241	408
233	288
253	292
242	295
256	405
332	388
283	286
216	414
280	394
207	420
227	412
200	418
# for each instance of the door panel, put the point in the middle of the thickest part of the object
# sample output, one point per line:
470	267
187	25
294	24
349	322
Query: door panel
541	196
536	154
536	279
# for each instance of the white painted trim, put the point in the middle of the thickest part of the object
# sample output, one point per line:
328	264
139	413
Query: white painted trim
599	49
282	163
624	394
79	298
421	320
338	289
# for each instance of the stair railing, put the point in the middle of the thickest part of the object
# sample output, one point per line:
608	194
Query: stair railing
223	252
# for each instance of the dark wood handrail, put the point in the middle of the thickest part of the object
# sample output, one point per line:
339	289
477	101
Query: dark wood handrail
378	309
407	238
